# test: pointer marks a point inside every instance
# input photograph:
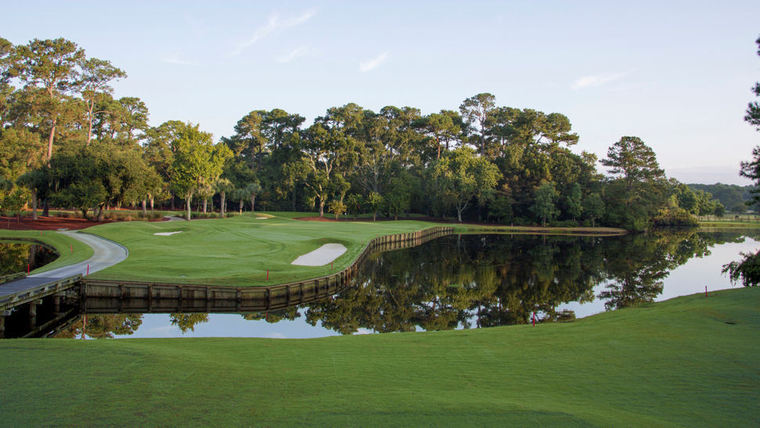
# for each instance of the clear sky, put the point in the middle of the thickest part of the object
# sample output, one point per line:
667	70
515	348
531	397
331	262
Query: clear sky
677	74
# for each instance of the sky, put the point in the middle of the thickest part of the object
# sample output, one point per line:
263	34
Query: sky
676	74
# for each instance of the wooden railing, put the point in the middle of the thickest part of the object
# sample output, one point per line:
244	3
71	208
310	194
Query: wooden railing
38	292
141	296
12	277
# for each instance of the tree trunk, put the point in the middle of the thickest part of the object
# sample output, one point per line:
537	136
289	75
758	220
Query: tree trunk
34	204
240	202
51	138
321	207
189	200
152	199
253	202
100	213
459	214
172	203
223	201
205	204
374	215
45	208
144	208
89	121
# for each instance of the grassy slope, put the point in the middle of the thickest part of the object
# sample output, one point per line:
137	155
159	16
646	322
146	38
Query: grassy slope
676	362
236	251
62	244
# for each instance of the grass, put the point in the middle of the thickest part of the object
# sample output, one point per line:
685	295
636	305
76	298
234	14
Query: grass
690	361
729	224
237	250
69	250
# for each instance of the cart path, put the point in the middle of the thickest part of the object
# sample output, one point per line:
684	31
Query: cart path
105	254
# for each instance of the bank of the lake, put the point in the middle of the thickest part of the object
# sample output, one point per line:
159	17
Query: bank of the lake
688	361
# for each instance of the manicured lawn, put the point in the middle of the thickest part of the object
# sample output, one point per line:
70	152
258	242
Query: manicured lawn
62	244
237	250
691	361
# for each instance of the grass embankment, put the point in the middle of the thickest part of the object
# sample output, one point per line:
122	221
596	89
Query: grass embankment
691	361
237	250
730	224
69	250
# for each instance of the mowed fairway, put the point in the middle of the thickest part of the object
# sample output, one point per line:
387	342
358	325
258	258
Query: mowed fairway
691	361
237	250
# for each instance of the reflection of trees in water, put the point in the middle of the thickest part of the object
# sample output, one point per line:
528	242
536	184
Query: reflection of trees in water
187	322
479	281
464	281
14	256
637	264
498	280
103	326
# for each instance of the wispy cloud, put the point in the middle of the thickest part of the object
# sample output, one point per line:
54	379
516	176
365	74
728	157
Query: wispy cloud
597	80
295	53
175	58
274	23
373	63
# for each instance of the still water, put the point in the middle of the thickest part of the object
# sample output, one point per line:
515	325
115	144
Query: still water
20	256
471	281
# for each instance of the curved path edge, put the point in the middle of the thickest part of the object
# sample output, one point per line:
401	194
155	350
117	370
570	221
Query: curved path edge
106	253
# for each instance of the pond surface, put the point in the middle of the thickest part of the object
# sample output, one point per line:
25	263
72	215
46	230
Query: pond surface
18	256
470	281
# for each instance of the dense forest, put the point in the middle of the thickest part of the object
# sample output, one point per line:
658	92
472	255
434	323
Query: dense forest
67	142
734	197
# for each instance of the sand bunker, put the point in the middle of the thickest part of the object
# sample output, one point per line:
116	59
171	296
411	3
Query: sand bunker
321	256
261	218
166	233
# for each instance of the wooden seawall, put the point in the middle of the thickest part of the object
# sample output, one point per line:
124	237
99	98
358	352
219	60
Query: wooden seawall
109	296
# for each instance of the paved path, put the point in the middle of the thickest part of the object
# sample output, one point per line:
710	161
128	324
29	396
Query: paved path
105	254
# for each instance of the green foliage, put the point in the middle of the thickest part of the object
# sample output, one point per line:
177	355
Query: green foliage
747	270
544	206
373	202
574	201
593	207
753	109
675	216
461	176
337	208
733	197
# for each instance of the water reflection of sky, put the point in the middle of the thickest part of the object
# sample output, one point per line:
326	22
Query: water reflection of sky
689	278
686	279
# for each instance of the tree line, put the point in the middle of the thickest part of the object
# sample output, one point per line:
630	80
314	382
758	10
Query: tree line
67	142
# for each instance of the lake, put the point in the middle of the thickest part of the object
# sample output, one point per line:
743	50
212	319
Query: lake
466	281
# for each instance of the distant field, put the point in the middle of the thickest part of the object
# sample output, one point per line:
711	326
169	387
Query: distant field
691	361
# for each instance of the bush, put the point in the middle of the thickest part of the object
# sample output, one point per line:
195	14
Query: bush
675	216
747	270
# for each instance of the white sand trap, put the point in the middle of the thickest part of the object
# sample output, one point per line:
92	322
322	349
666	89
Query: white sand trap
166	233
261	218
321	256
